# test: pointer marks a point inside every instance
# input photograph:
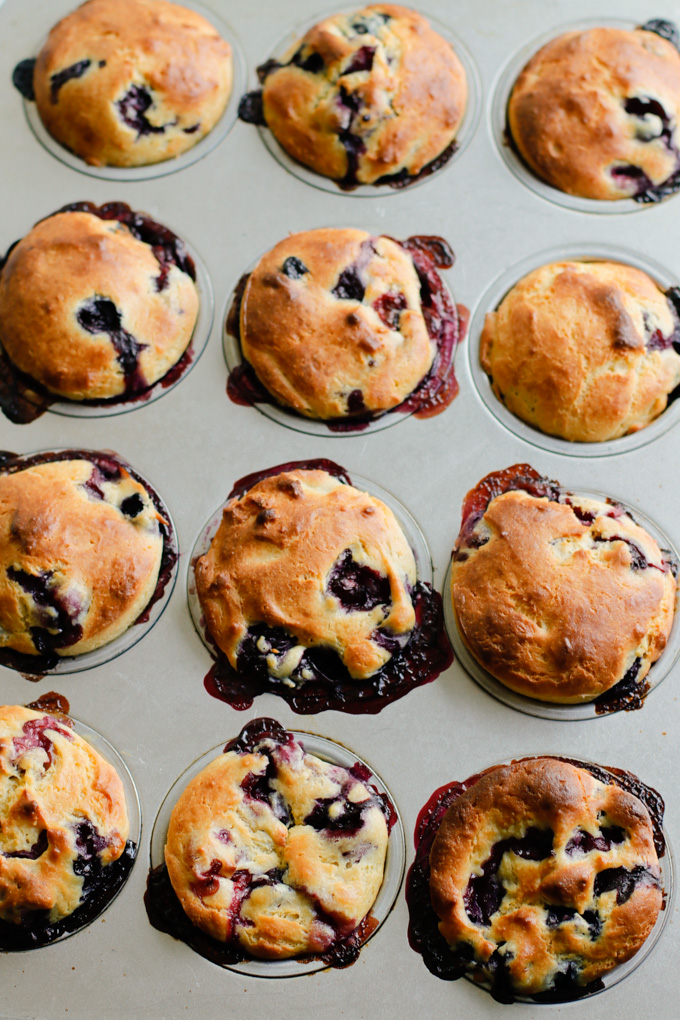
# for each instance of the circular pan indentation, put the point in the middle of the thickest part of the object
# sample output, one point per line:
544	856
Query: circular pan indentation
337	754
489	302
169	166
289	418
112	756
498	123
666	865
463	136
150	614
658	671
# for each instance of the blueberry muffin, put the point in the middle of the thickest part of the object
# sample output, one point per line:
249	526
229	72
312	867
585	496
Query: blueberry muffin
81	546
544	878
596	113
587	351
274	850
336	323
63	824
97	303
557	596
365	98
132	82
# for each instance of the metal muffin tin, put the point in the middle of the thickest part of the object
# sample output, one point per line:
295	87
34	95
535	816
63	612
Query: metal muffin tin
150	703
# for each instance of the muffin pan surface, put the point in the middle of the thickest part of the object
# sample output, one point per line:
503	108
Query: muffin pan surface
151	704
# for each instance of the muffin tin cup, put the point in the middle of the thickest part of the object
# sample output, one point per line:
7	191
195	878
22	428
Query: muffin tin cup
149	615
489	302
111	755
169	166
501	91
337	754
658	671
667	868
314	426
463	137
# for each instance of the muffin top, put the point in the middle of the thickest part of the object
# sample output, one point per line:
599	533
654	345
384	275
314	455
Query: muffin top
544	877
95	308
332	323
62	817
583	350
558	596
597	113
132	82
275	849
366	96
80	553
300	561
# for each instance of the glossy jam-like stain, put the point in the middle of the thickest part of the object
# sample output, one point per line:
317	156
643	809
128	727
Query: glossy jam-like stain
246	483
423	930
52	703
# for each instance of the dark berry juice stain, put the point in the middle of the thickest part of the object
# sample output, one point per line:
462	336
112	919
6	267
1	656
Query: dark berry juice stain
52	703
246	483
106	466
22	78
358	587
100	315
423	930
68	74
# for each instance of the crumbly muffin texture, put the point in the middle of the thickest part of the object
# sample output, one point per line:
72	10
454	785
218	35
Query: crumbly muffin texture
80	554
544	878
91	311
332	323
303	561
62	817
364	96
560	601
596	113
586	351
275	849
132	82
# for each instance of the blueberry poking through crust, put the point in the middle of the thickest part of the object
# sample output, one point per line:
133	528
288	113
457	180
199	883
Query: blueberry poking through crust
276	853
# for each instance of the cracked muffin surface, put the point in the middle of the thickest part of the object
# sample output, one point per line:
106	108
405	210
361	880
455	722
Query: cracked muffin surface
132	82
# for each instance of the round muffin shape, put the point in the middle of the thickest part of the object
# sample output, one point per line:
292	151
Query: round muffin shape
596	113
132	82
544	878
275	850
302	561
80	554
584	350
94	307
63	818
366	97
558	596
332	323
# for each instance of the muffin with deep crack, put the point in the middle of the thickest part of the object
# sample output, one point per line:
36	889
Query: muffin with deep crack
558	596
587	351
273	851
596	113
97	303
132	82
372	97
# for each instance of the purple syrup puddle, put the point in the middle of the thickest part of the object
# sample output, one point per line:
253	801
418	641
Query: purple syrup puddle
132	109
68	74
484	893
357	587
100	315
627	695
519	476
22	78
88	865
246	483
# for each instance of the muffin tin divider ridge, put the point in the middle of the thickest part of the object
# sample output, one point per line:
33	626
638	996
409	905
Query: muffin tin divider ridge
150	702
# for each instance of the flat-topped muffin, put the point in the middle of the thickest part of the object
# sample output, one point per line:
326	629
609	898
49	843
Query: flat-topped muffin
97	303
596	113
80	553
132	82
366	97
587	351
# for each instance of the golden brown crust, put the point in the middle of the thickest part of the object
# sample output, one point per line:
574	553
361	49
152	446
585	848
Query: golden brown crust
409	104
171	53
98	567
51	791
575	349
563	908
557	608
271	560
314	351
252	868
63	265
567	111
